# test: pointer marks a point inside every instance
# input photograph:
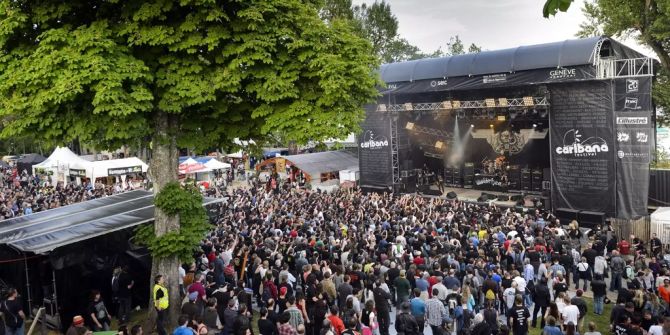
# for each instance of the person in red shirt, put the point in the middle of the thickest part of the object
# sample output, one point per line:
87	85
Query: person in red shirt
624	247
664	290
335	320
418	260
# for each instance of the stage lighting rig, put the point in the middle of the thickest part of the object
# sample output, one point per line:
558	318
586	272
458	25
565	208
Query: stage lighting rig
409	106
528	101
490	102
409	126
381	108
439	145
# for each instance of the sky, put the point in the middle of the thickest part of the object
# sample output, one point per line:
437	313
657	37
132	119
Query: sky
491	24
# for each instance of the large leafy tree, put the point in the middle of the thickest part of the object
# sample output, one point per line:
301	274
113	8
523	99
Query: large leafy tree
648	21
186	73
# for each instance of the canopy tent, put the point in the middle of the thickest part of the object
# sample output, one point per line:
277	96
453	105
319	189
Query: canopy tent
43	232
216	165
660	224
117	167
26	162
62	160
314	164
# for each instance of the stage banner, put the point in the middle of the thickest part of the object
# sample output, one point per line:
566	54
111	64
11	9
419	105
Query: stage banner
582	147
634	144
374	150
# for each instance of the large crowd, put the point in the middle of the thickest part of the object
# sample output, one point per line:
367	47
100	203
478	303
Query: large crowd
350	263
342	263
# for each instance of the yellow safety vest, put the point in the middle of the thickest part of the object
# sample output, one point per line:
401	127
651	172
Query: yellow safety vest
163	302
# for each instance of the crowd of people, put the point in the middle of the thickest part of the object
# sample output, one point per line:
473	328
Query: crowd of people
356	263
343	262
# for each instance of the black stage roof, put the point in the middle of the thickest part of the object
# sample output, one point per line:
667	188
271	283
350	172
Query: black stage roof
580	53
45	231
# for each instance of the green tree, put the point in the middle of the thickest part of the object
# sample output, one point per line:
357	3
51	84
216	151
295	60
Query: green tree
378	24
187	73
648	22
455	46
551	7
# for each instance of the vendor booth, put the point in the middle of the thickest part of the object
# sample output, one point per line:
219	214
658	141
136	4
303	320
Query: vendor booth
316	167
26	162
63	164
125	169
660	224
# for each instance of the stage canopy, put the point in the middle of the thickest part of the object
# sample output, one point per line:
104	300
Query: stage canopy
45	231
315	164
522	65
26	162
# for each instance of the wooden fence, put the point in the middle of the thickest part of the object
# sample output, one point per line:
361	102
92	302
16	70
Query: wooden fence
640	227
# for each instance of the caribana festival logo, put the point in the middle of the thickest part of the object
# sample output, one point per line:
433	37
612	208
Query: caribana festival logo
370	141
575	145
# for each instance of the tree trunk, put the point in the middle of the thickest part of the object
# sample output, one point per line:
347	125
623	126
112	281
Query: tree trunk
164	167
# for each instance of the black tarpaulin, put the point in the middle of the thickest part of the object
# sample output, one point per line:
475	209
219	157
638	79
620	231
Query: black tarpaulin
541	56
45	231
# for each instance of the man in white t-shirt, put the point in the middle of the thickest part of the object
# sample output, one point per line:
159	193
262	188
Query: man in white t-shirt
182	274
656	329
570	313
509	294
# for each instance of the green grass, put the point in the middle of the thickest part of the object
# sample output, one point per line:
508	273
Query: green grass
602	321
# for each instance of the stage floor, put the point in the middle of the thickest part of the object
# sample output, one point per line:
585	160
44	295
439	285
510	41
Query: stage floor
468	194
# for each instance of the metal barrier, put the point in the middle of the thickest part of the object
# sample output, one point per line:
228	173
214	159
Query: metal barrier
640	227
41	318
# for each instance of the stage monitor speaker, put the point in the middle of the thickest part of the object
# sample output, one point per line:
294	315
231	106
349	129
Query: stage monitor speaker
588	219
457	177
425	189
452	195
516	197
449	175
488	196
566	215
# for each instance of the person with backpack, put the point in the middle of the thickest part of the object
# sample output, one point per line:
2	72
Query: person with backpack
617	268
269	289
405	323
12	308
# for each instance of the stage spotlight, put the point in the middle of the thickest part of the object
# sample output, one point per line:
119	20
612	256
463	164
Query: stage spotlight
456	104
446	104
439	145
502	102
409	107
500	117
381	108
461	114
409	126
528	101
534	125
490	102
491	125
472	125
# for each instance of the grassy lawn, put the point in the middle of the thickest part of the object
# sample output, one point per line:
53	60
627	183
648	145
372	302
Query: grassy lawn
602	321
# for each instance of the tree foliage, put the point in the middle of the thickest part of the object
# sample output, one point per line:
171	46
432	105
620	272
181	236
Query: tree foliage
648	22
551	7
223	69
186	202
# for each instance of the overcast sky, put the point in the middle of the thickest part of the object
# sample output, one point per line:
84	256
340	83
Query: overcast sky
491	24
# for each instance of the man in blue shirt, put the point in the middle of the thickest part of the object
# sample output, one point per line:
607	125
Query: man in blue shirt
183	328
418	309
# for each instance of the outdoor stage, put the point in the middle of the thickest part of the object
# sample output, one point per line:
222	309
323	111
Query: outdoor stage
501	199
568	122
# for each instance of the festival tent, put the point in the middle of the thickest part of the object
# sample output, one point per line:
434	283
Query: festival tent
26	162
216	165
660	224
117	167
315	166
63	161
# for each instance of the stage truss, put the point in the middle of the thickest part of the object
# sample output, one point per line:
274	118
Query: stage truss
509	103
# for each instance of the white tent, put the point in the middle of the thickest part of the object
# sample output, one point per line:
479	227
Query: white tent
117	167
62	160
214	164
660	224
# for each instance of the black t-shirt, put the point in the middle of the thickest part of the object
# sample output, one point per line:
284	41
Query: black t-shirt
519	316
621	330
266	327
11	309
